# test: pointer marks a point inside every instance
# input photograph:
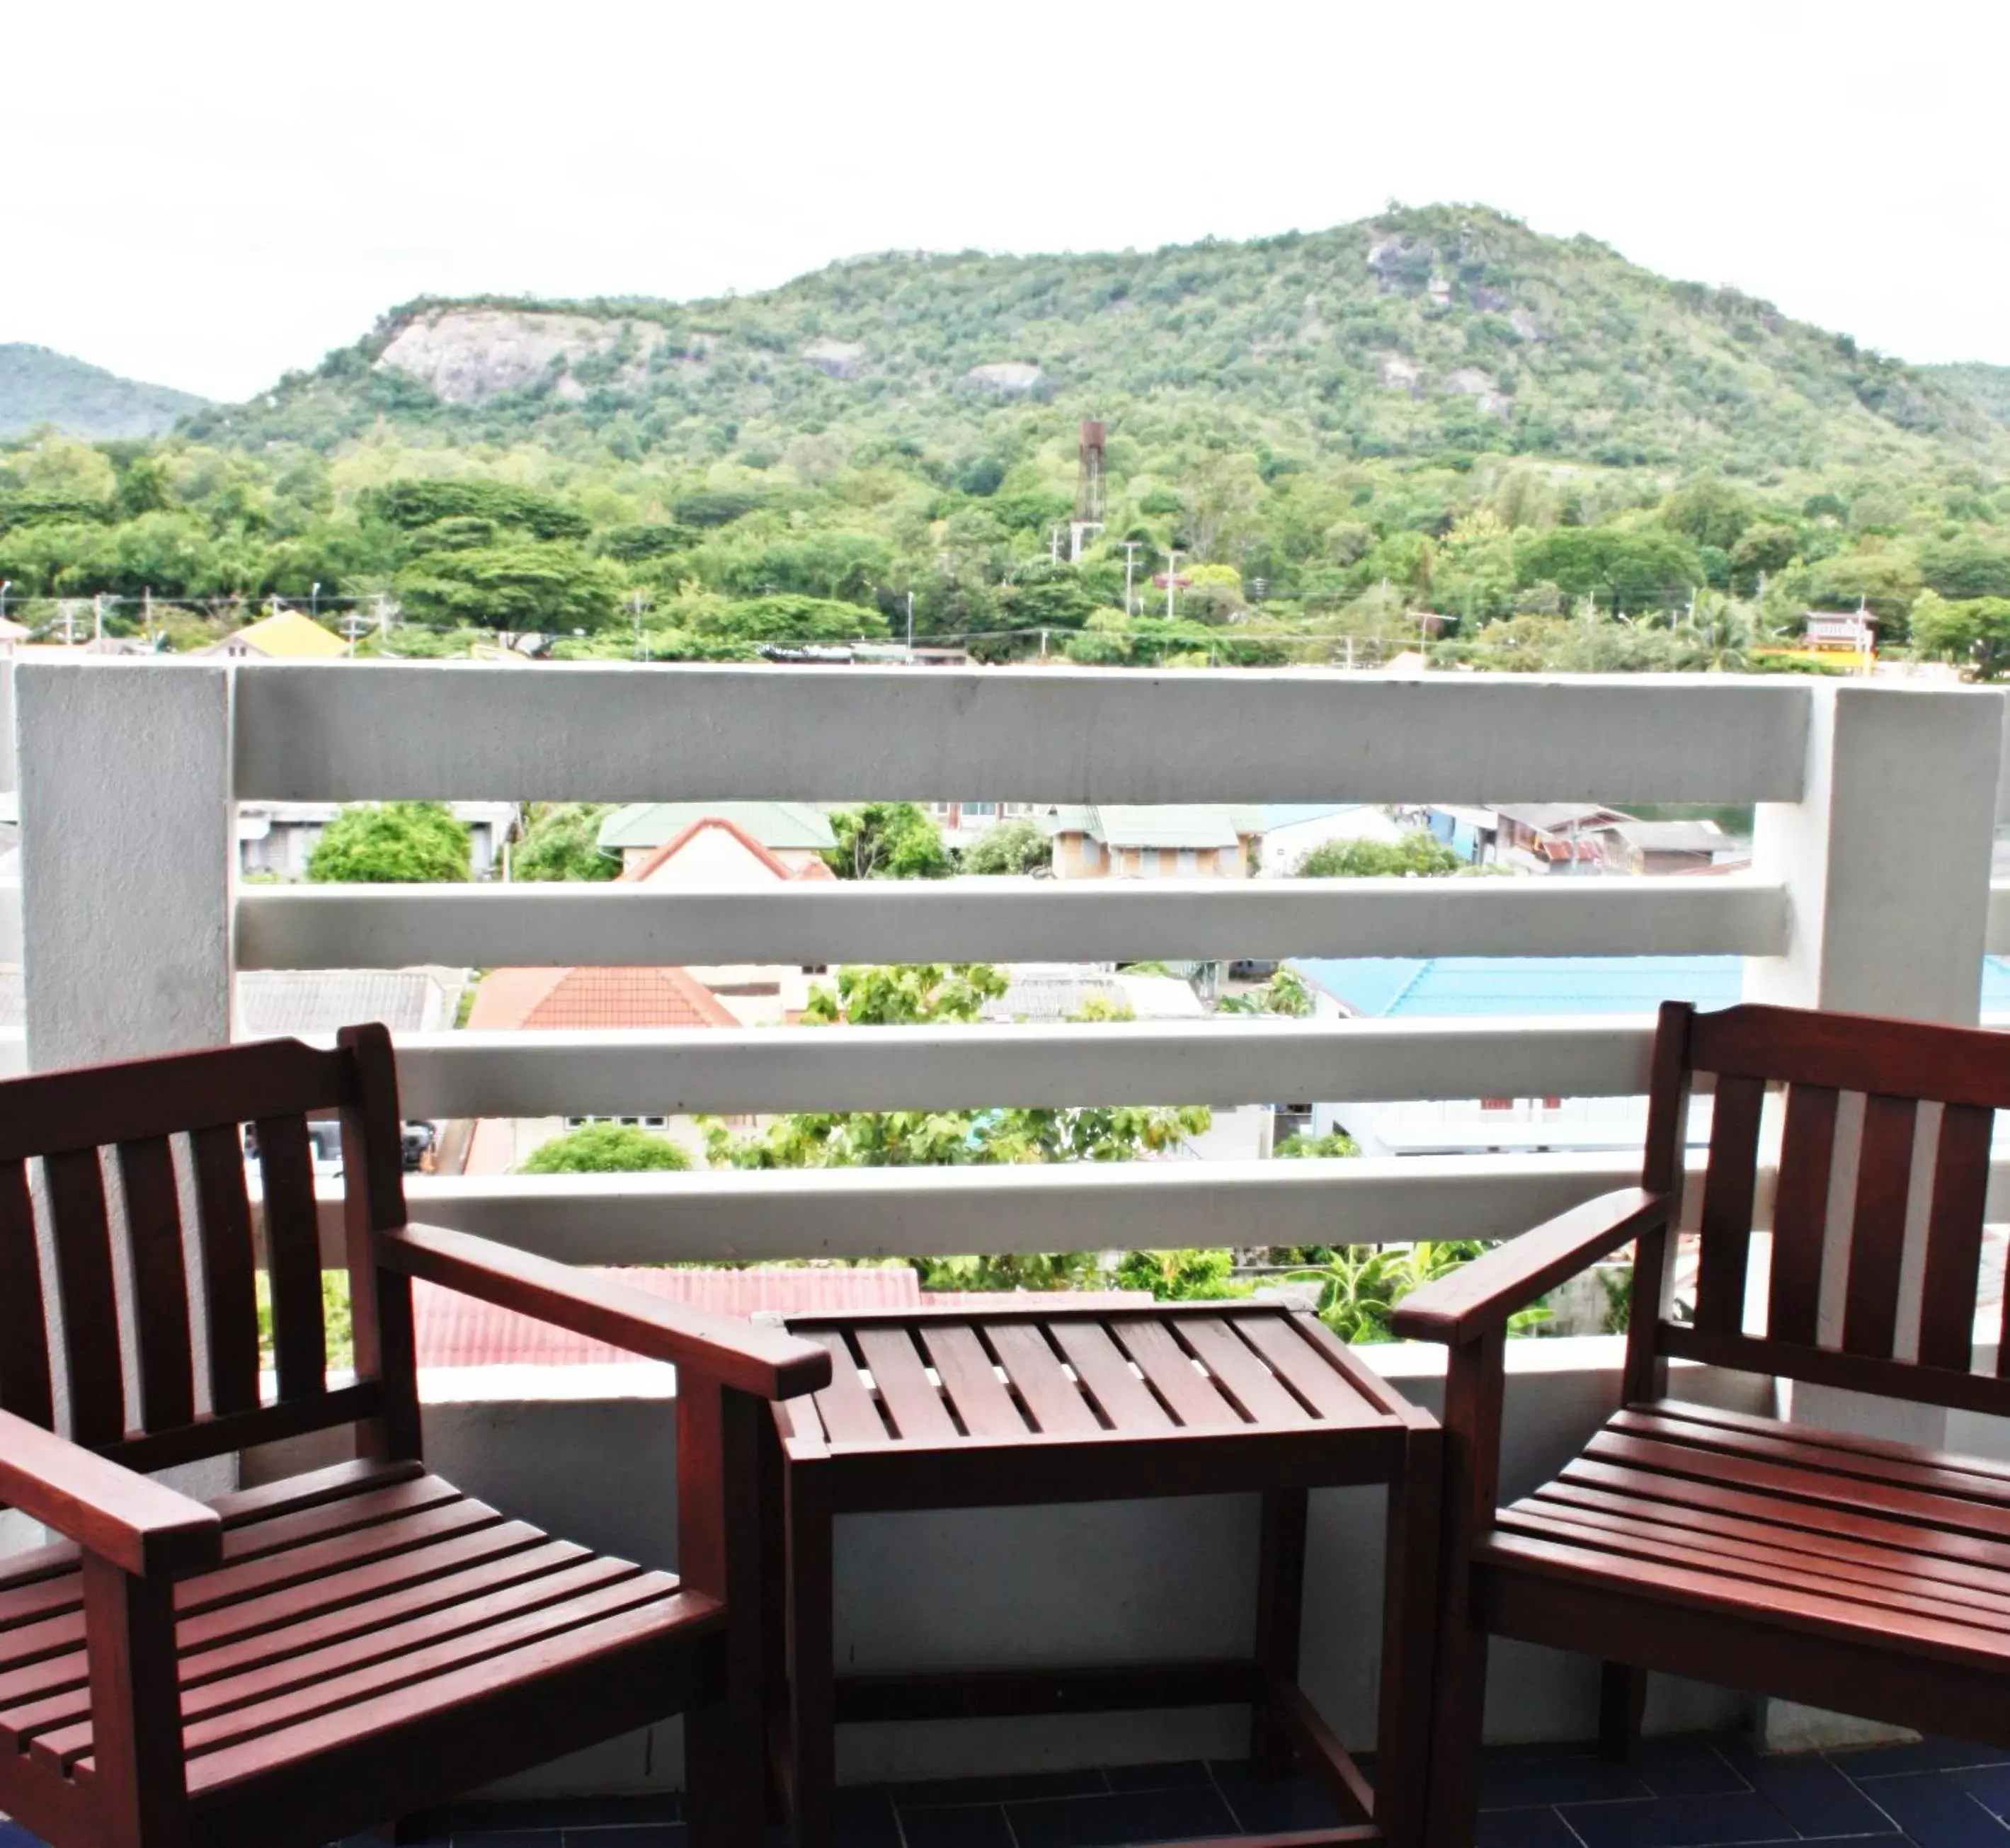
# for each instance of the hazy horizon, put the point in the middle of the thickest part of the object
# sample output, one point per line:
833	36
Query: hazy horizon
251	190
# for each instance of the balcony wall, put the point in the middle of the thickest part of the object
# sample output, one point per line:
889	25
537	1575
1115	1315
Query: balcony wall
1869	891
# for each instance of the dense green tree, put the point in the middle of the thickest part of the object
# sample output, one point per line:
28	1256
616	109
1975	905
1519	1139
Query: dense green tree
520	587
1415	855
415	504
392	844
561	841
887	841
781	620
1975	635
1965	569
1010	846
605	1148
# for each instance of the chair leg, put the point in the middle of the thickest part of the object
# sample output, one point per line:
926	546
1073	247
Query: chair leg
812	1697
1622	1709
1281	1580
1458	1710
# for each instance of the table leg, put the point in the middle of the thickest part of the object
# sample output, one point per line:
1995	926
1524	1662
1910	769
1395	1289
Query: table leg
812	1710
1409	1640
1281	1580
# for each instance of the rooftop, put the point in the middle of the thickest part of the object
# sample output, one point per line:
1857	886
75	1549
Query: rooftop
579	998
1176	825
773	824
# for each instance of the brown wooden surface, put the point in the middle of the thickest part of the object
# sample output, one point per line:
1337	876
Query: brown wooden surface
1878	1237
1800	1212
1954	1238
1041	1400
1729	1189
300	1660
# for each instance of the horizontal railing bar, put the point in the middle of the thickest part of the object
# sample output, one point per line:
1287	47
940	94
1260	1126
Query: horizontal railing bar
1005	920
1224	1061
715	1218
327	732
723	1217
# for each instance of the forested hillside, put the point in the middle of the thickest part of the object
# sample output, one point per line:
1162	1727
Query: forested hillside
37	386
1435	413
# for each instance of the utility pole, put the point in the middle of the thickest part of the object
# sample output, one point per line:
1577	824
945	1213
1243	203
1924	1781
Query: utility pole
1054	544
1130	559
1172	582
911	623
353	625
314	602
635	604
98	617
383	614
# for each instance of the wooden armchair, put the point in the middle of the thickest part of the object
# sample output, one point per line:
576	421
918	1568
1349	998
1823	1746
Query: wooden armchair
297	1662
1813	1565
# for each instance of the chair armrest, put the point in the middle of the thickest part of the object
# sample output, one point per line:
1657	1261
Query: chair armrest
141	1525
767	1363
1479	1297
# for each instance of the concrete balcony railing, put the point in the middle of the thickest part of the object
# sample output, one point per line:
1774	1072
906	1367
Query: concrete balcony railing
1869	891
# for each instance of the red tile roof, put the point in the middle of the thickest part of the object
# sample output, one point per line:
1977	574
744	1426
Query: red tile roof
455	1330
566	998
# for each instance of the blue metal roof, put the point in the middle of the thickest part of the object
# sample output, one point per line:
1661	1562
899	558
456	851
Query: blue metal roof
1415	987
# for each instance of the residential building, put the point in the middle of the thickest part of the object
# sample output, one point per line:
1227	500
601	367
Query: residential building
963	824
1841	632
576	1000
1664	846
1157	840
1554	836
1291	830
287	636
797	833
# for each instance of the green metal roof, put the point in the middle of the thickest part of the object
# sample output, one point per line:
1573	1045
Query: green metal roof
773	824
1177	824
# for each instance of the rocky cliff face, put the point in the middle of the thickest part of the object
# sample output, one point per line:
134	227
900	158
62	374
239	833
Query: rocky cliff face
465	355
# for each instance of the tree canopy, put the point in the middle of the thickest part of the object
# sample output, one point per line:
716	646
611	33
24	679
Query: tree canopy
1416	855
392	844
561	841
887	841
605	1148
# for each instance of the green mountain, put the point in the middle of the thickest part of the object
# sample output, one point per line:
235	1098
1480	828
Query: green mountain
1987	388
1415	334
37	386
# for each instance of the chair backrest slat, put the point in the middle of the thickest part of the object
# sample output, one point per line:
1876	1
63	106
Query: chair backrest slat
92	1366
160	1281
1870	1245
230	1268
1800	1214
1954	1237
1878	1232
25	1386
292	1255
123	1275
1729	1191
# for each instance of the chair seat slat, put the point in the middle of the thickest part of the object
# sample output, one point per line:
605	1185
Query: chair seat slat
160	1282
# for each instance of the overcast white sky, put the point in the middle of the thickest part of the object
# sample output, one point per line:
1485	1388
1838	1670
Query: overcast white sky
206	194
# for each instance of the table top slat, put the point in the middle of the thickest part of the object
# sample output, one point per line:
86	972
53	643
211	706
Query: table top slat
1306	1370
971	1382
1106	1375
1054	1400
847	1408
1194	1399
1241	1376
910	1396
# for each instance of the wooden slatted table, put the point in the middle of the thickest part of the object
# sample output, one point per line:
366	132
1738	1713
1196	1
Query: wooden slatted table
1035	1401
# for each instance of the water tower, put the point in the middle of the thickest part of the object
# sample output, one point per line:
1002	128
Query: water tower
1089	493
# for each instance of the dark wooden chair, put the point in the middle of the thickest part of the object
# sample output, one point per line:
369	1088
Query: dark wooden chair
1853	1574
303	1660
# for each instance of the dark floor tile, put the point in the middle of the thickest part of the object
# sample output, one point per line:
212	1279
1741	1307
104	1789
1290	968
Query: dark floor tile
865	1818
508	1838
962	1825
1523	1828
13	1835
1013	1787
1273	1805
1685	1767
1931	1754
1526	1776
1177	1775
1680	1822
654	1835
516	1815
1935	1812
1120	1817
1809	1791
1988	1784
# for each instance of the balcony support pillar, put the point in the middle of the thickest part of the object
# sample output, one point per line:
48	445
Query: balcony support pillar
1886	863
127	847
